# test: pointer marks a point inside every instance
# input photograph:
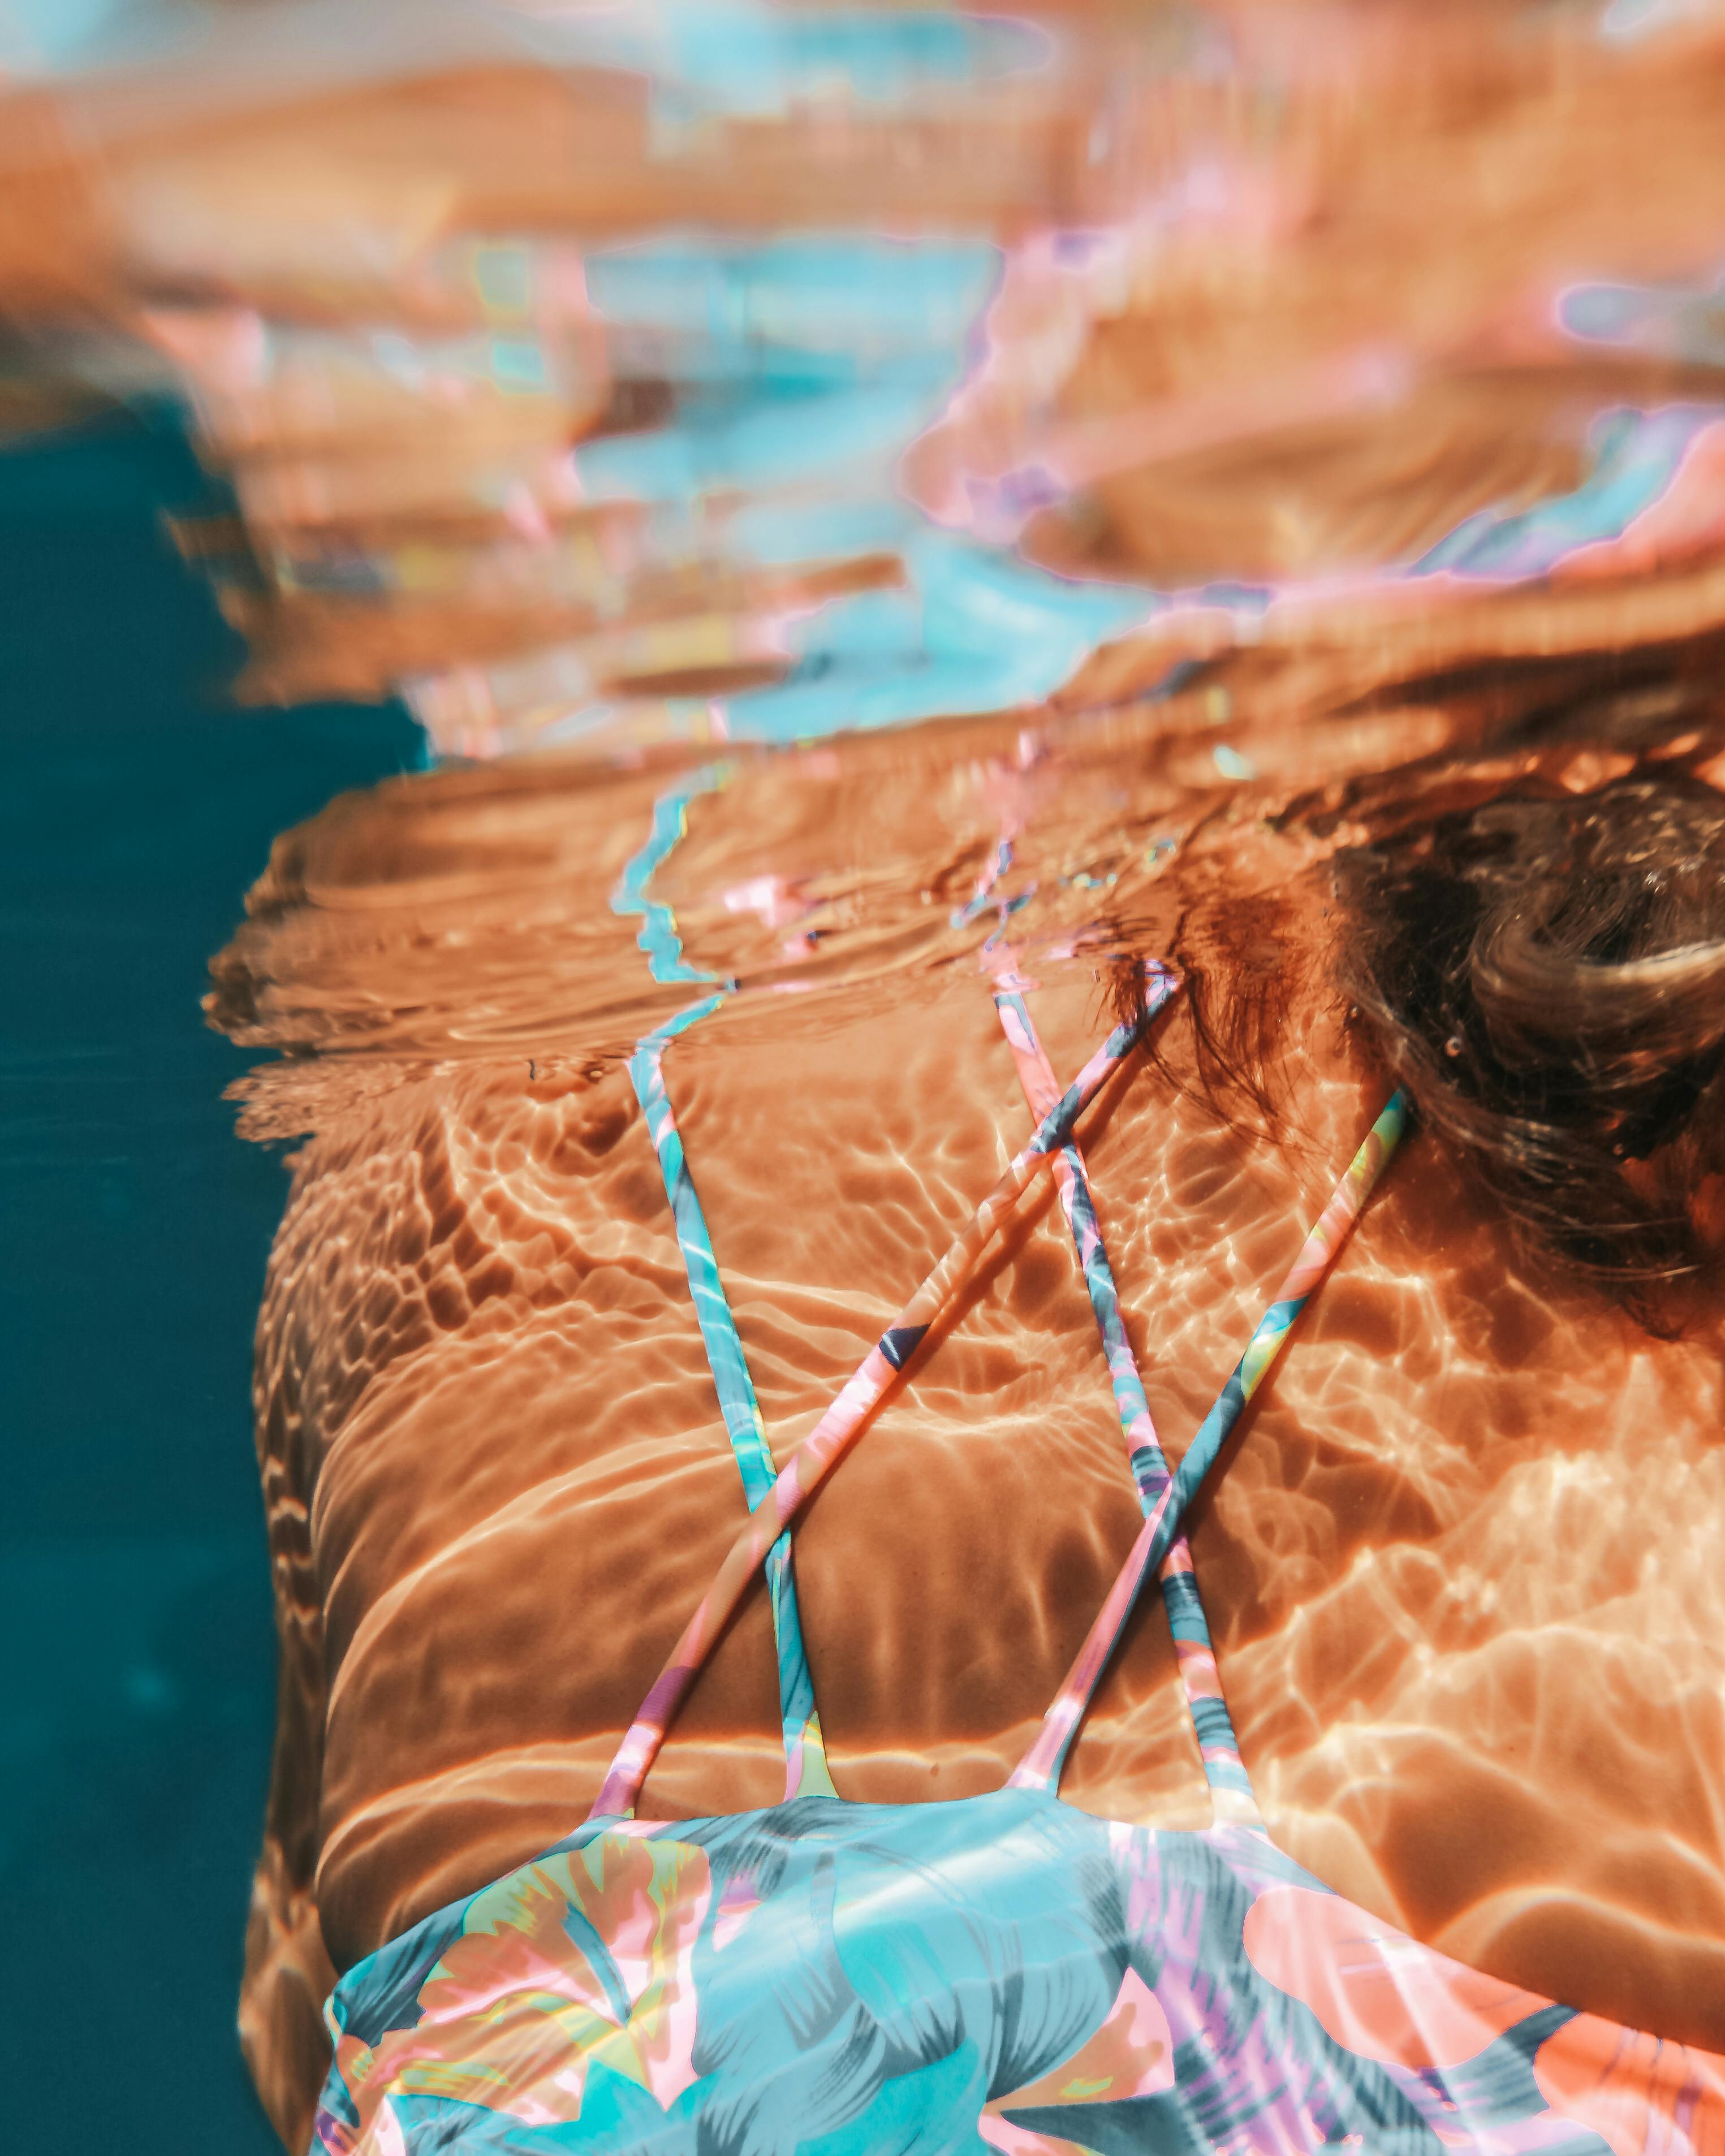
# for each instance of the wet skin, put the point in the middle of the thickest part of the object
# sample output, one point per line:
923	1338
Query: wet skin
1459	1561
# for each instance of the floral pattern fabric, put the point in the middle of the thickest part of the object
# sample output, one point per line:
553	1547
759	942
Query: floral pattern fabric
1000	1973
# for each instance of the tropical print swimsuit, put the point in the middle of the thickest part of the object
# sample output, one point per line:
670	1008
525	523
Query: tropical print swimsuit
1000	1973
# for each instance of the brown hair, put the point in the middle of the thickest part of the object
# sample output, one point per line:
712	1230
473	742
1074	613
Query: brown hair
1528	936
1546	978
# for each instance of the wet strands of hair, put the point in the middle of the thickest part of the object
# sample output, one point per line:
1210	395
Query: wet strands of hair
1548	977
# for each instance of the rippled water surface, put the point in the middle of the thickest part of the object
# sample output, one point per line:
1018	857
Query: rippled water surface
871	509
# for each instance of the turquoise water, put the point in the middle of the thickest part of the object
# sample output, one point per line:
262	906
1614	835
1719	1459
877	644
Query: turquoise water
135	1722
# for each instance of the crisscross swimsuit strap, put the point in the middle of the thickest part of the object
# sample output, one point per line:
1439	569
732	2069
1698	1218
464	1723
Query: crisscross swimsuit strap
1219	1749
1165	1496
1040	1766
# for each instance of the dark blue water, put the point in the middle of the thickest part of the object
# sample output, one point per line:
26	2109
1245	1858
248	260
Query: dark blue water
134	1718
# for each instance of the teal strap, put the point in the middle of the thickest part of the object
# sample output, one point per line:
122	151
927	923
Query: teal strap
806	1771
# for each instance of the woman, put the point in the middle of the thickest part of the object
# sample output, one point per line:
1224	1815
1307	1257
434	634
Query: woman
1457	1560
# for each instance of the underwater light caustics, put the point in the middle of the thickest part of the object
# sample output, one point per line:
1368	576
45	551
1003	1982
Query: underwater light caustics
1468	1698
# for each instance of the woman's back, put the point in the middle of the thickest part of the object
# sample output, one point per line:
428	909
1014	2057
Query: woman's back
1457	1561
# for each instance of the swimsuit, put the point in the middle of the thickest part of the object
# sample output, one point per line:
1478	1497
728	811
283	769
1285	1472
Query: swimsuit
1001	1972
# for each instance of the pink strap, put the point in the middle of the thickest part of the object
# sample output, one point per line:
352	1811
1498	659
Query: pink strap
1040	1766
840	1427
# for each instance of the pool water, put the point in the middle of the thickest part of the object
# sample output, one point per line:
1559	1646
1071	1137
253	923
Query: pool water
137	1717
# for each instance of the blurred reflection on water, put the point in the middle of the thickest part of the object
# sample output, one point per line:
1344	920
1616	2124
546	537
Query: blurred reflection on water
617	375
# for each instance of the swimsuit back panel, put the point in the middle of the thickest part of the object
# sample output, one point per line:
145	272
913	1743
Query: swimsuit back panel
1003	1973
